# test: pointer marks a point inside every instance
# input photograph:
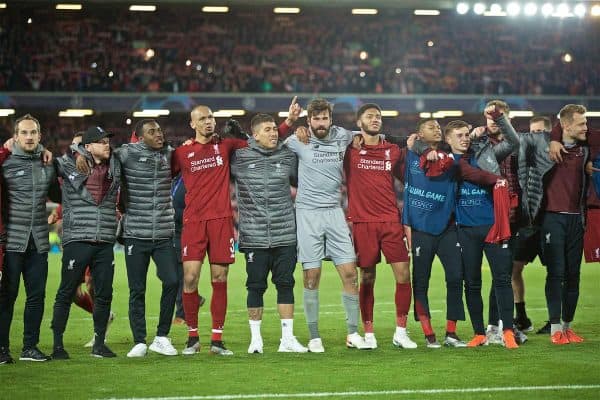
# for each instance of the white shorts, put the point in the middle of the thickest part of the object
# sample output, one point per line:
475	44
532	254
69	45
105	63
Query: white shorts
323	233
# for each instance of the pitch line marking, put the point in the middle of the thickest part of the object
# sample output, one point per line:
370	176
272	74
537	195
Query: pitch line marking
367	393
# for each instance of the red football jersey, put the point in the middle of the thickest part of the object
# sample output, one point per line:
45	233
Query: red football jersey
370	175
205	172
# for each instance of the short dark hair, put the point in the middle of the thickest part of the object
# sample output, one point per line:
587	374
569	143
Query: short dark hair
139	126
366	107
545	120
259	119
456	124
317	106
424	121
25	118
566	113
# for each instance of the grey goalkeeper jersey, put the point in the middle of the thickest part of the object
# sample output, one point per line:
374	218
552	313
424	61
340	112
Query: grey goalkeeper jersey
320	168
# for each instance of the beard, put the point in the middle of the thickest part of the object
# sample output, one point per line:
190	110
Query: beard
372	132
320	132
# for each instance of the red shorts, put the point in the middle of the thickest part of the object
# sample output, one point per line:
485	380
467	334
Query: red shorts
214	236
371	238
591	237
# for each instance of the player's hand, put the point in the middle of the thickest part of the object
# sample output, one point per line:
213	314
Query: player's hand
590	169
357	142
8	145
303	134
82	165
408	237
492	112
294	112
47	157
52	218
410	142
501	183
555	150
433	155
477	132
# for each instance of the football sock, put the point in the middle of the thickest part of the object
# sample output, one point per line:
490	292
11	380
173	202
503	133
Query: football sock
367	302
255	329
191	303
350	302
287	328
520	309
311	312
218	309
450	326
555	328
402	299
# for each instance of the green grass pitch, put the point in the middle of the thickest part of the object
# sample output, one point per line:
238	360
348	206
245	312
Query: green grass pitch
537	370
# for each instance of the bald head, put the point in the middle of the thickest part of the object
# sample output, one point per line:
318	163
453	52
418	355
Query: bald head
203	123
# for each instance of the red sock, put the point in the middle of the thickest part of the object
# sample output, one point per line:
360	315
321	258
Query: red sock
424	319
403	296
367	302
84	300
191	304
450	326
218	309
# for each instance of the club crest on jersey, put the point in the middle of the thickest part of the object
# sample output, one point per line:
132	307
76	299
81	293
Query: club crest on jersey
219	160
251	257
216	149
71	264
387	154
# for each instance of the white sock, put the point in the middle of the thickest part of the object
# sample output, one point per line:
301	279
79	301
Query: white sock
555	328
400	331
287	328
566	325
255	329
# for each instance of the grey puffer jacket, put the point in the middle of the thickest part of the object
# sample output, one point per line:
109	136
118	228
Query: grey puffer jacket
146	173
83	218
27	183
488	155
266	211
534	164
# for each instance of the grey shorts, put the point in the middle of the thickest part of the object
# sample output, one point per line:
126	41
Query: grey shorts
323	233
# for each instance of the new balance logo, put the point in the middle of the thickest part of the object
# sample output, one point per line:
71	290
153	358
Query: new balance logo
143	159
251	166
548	238
219	160
190	155
71	265
129	249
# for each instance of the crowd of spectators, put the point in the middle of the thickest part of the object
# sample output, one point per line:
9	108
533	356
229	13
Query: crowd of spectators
318	50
